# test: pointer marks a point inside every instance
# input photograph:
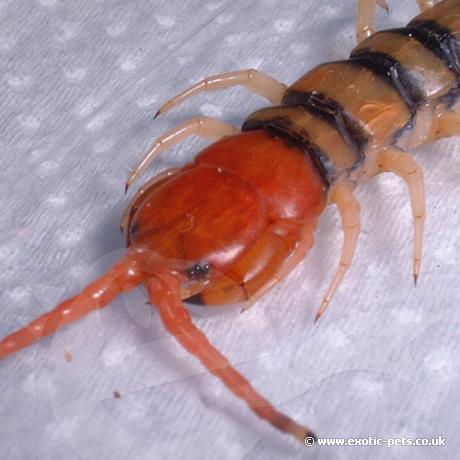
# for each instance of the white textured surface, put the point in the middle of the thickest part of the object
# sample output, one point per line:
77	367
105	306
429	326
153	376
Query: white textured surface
79	83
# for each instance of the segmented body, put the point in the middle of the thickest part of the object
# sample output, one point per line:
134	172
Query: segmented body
345	112
229	225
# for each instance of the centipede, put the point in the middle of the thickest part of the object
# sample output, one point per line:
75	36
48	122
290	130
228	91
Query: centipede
233	222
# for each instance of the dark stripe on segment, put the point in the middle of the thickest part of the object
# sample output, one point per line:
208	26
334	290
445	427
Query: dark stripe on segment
322	106
453	95
282	127
408	126
437	39
393	72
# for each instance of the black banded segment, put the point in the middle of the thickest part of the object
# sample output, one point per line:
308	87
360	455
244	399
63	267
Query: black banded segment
281	126
391	70
322	106
437	39
453	96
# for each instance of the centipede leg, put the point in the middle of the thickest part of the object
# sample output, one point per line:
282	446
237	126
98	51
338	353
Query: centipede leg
255	81
425	4
164	291
122	277
402	164
349	209
201	126
366	16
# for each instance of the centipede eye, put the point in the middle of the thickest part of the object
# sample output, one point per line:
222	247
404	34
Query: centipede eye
198	272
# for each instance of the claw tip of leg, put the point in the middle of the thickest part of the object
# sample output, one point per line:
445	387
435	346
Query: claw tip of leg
321	310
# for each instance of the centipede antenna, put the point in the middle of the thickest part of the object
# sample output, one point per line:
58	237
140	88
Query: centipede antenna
122	277
164	290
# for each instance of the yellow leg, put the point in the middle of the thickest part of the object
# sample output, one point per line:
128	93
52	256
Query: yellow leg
402	164
200	126
255	81
349	209
366	16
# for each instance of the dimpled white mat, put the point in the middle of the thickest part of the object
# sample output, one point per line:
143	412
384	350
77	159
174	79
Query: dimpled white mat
80	81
